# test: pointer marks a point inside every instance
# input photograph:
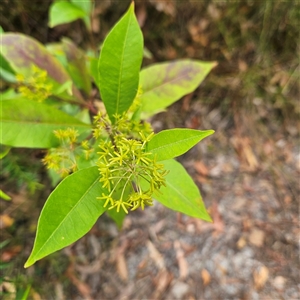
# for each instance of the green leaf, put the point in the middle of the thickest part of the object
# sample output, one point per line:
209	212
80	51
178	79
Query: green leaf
69	213
26	123
4	243
64	12
5	65
181	193
4	266
4	196
77	65
23	295
22	52
6	75
9	94
86	6
67	86
56	49
119	64
165	83
6	71
174	142
55	178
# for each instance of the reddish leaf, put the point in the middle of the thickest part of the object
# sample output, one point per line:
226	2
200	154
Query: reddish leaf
22	52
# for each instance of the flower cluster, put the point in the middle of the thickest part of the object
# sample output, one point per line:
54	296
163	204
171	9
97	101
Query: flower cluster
62	159
129	173
122	127
35	87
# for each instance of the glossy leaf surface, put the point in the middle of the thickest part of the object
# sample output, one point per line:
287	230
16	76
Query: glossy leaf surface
171	143
69	213
181	193
119	64
165	83
25	123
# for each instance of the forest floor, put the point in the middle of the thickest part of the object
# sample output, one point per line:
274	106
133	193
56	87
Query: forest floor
248	173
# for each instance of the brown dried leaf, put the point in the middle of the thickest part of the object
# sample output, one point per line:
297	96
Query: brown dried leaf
95	24
205	277
287	199
201	168
155	255
8	287
182	263
243	67
83	288
186	101
90	268
278	78
250	157
143	264
6	221
201	179
257	237
194	122
218	222
202	39
188	248
162	281
260	277
122	267
35	295
241	243
159	226
9	254
59	291
245	152
214	12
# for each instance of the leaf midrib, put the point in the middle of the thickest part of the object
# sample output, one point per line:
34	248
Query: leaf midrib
164	83
173	143
179	193
121	67
81	199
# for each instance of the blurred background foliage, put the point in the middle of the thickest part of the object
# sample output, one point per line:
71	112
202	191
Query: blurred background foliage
254	90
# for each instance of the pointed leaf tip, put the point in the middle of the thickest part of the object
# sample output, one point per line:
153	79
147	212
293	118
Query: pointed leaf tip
71	218
119	64
165	83
171	143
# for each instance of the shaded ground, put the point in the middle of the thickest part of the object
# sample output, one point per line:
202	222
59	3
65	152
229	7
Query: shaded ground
248	172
